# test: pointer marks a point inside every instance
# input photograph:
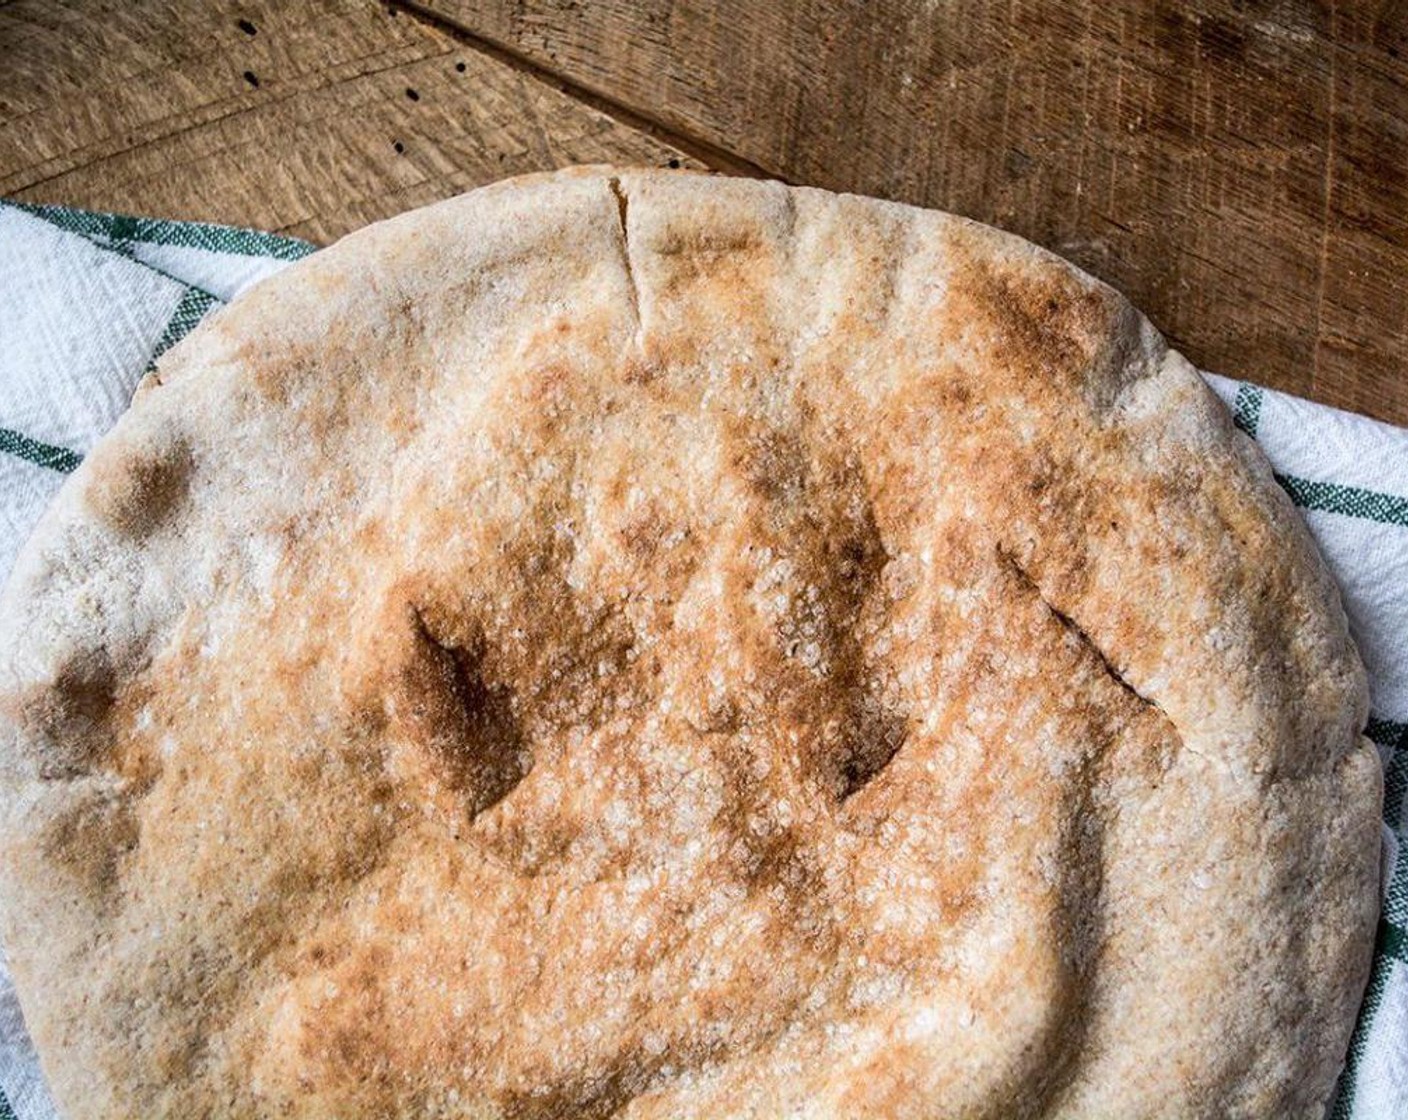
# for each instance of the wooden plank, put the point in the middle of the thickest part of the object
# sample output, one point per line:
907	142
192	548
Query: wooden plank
1238	167
311	118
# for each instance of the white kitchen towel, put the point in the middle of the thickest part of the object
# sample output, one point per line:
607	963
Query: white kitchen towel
88	301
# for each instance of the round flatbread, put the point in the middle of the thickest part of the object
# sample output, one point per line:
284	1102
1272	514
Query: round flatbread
623	643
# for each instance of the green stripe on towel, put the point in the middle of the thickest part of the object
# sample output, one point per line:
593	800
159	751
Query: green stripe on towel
41	455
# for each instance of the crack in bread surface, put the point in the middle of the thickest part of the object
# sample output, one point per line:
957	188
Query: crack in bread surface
1006	556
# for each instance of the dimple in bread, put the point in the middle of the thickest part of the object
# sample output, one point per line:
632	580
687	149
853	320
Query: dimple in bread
633	644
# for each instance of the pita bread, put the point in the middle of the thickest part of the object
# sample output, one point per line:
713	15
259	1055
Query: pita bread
622	643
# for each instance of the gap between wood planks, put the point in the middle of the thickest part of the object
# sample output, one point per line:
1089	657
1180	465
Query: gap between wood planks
719	159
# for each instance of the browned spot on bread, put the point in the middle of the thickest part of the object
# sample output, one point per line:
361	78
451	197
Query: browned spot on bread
69	715
135	491
88	841
442	700
1038	330
431	697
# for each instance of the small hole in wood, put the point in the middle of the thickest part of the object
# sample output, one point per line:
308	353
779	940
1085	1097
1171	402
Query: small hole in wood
400	147
247	27
674	163
413	95
459	66
252	78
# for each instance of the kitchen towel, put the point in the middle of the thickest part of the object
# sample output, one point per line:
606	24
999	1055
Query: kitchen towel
89	301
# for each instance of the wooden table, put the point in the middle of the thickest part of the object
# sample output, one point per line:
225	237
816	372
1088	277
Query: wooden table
1239	169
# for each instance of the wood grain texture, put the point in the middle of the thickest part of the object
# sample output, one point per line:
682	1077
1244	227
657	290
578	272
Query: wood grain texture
308	118
1238	167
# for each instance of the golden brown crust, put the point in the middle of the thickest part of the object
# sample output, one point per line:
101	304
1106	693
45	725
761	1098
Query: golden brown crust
632	644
